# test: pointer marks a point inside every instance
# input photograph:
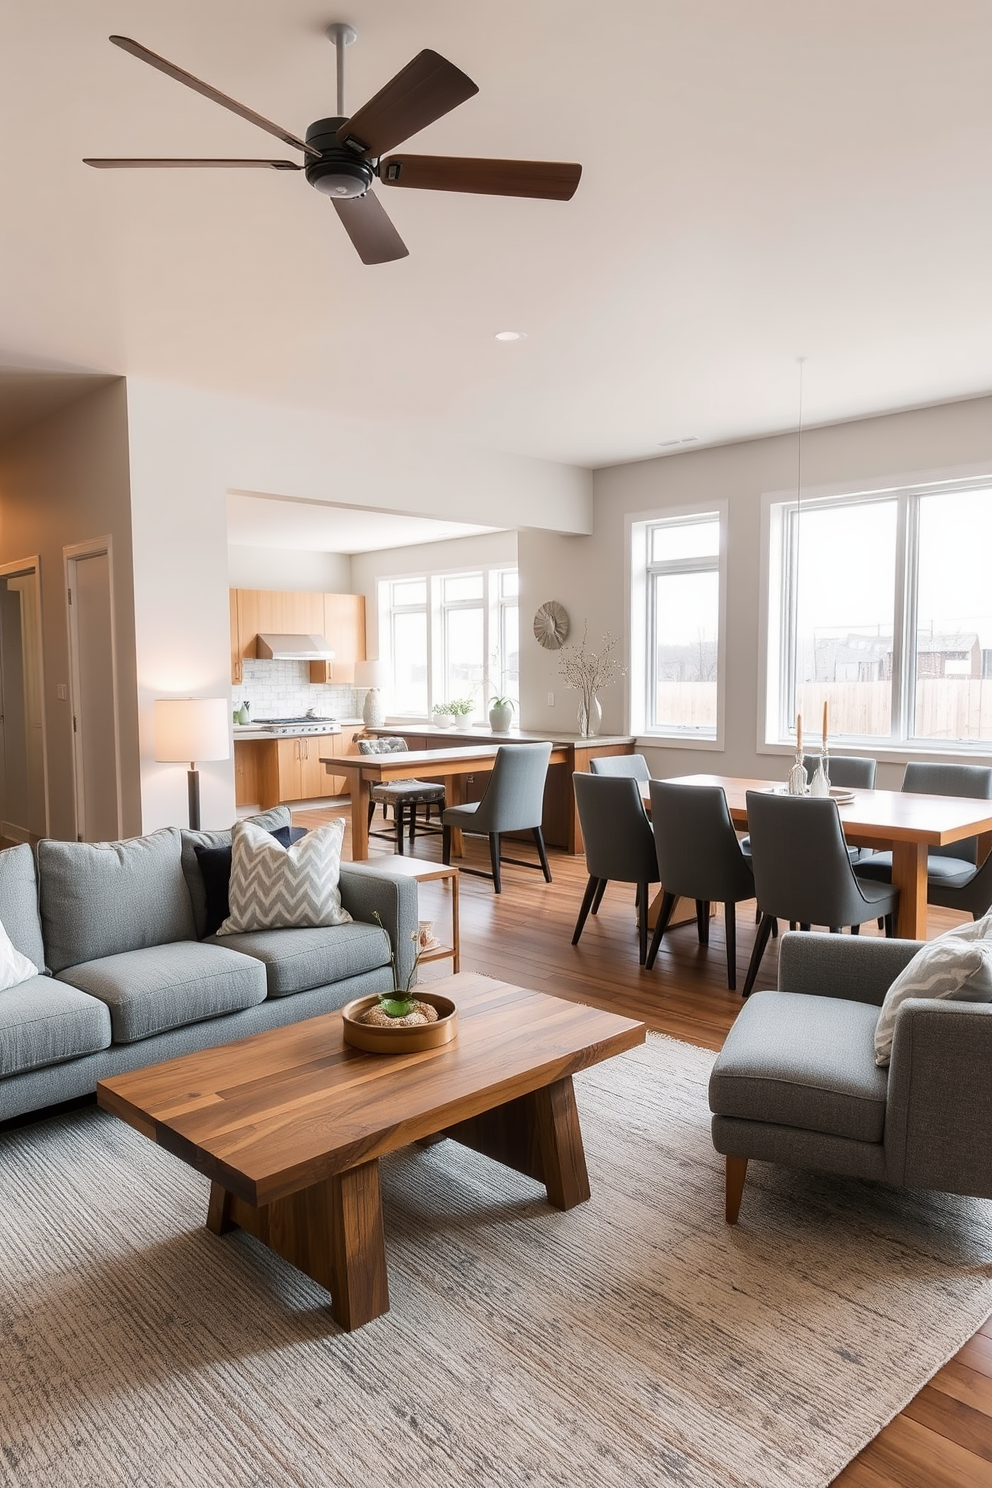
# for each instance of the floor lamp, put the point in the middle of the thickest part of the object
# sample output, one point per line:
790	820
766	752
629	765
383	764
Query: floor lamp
192	729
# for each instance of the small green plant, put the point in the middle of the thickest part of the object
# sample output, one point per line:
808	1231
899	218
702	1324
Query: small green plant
460	707
500	701
398	1002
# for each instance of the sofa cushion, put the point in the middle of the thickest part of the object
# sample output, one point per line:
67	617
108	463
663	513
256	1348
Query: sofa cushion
272	820
954	967
801	1061
298	960
19	902
101	898
273	886
42	1021
215	867
161	987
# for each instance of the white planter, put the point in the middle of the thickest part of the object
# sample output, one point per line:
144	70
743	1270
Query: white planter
442	720
501	717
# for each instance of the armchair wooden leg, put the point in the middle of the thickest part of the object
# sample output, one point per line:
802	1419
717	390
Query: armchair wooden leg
730	928
736	1173
494	859
587	898
664	915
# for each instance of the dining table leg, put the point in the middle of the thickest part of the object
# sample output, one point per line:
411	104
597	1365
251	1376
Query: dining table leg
361	794
909	874
454	795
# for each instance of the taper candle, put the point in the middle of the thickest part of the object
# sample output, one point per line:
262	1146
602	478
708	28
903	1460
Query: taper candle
824	725
799	733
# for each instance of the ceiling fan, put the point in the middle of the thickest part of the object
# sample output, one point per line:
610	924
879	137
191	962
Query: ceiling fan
343	156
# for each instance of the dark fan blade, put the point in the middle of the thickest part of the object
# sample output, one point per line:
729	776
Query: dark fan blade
193	164
365	221
551	179
181	76
423	91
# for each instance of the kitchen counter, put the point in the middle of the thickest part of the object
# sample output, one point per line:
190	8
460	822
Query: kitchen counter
482	734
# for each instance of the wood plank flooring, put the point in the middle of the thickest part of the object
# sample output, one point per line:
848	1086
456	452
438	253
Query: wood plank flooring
943	1439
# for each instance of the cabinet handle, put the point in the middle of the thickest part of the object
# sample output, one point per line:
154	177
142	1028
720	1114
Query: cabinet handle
306	745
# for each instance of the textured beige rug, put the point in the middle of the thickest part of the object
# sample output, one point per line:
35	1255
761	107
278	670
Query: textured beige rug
634	1341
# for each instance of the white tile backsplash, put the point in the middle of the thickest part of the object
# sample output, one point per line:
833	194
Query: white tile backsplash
282	689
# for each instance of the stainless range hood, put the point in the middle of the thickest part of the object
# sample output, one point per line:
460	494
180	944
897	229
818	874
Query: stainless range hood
294	648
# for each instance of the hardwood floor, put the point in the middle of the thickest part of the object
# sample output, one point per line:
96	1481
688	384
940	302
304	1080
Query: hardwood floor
943	1439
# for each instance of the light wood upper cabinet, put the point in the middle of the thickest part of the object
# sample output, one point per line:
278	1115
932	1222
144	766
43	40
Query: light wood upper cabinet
339	617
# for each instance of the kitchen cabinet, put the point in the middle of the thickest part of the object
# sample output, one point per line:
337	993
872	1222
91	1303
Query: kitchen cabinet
300	776
339	617
247	777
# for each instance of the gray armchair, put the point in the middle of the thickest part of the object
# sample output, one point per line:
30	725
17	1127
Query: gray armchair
796	1082
513	802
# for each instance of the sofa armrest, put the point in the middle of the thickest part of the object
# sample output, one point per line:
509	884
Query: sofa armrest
367	888
860	968
938	1120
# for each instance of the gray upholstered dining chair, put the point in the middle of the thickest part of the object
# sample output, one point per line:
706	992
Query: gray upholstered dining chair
513	802
954	878
700	858
632	766
796	1082
849	772
404	796
802	872
619	845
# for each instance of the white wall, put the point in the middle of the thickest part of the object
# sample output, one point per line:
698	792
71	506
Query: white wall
587	574
289	569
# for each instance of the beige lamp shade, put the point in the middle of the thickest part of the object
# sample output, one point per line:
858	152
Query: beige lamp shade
189	729
370	673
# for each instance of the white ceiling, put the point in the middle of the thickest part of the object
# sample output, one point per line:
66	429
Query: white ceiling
310	526
761	181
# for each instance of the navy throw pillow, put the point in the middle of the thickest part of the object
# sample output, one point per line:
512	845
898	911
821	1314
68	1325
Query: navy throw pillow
215	867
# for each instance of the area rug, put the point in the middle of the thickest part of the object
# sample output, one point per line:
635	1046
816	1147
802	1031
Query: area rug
636	1340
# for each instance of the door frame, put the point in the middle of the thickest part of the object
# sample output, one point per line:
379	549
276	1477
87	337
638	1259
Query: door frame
94	547
12	571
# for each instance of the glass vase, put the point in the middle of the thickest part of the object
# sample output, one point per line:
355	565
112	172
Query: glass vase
590	716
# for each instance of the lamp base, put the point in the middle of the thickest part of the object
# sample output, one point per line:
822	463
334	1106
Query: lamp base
373	713
193	789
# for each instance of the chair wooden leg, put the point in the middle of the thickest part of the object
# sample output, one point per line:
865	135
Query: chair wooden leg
760	941
598	899
587	898
642	923
398	811
702	922
664	915
445	844
541	853
413	821
774	929
736	1173
730	930
494	859
890	926
855	929
371	810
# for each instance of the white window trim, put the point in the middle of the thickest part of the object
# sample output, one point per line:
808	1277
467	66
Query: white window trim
636	607
884	750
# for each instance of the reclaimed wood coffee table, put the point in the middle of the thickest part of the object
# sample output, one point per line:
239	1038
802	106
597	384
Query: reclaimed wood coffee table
289	1125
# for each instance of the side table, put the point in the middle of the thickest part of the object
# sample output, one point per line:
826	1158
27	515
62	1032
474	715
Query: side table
426	872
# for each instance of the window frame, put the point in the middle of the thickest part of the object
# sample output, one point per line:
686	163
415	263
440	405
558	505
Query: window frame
640	606
777	628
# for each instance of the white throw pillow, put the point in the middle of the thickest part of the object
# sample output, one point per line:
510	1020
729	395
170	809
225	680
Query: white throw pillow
14	968
274	887
957	965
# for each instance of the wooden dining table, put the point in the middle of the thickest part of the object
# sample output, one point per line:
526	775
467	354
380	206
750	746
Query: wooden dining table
910	825
447	765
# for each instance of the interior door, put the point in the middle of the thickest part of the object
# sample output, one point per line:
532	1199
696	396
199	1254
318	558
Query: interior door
23	764
94	694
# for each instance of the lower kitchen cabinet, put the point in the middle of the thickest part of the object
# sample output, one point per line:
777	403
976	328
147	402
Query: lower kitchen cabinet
268	772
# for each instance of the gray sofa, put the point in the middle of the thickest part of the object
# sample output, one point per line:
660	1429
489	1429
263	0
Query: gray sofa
131	978
796	1081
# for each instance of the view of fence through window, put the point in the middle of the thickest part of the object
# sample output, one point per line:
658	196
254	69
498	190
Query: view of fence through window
893	661
683	623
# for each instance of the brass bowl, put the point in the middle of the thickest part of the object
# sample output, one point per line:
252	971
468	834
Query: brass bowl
376	1039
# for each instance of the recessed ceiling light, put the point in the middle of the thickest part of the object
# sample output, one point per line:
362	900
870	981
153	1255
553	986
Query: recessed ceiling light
511	336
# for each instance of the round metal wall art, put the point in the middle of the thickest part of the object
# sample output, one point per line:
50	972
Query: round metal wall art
551	625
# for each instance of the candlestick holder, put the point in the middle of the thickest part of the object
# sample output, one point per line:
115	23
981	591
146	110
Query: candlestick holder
797	777
820	784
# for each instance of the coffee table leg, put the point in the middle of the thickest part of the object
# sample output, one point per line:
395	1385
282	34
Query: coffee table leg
537	1134
332	1231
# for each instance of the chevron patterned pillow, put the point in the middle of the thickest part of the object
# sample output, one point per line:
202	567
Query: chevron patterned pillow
273	887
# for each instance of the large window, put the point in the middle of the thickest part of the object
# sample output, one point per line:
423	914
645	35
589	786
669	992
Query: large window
881	608
677	606
449	636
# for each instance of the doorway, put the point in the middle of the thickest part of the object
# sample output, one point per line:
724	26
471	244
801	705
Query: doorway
23	755
93	680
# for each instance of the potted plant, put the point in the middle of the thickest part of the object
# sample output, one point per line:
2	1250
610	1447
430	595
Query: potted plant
442	715
460	708
500	713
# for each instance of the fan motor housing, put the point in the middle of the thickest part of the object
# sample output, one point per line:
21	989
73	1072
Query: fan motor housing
338	173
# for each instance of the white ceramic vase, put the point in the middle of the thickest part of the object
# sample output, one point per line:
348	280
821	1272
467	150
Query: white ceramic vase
500	717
